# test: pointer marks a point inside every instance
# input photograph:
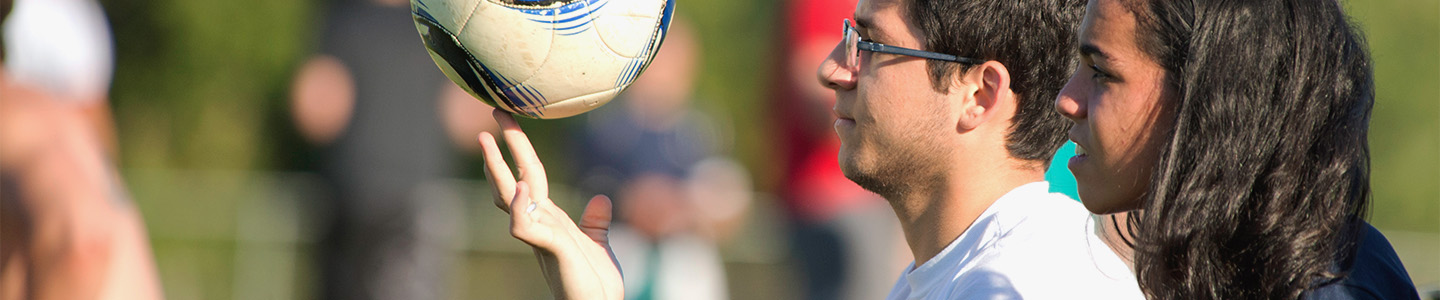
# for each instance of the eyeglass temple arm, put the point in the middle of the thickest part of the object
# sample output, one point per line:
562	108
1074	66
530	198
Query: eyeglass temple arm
882	48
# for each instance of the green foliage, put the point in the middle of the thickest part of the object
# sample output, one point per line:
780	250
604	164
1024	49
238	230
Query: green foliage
194	79
1404	39
737	38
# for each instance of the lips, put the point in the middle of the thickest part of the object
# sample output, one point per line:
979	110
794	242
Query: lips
844	124
840	115
1079	140
1081	154
842	120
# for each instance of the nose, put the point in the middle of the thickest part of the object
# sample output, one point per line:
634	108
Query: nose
834	75
1071	102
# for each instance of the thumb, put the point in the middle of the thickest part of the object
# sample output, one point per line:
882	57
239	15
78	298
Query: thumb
595	222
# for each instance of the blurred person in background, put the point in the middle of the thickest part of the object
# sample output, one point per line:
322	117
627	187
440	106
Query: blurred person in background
373	104
845	241
67	227
676	197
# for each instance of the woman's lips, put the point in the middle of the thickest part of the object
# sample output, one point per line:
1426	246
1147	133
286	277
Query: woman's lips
1080	156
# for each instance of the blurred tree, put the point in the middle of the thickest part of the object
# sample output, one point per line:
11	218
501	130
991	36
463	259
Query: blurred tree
737	37
1404	39
194	79
197	84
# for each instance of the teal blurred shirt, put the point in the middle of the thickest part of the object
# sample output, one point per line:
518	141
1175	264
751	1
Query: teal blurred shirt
1061	181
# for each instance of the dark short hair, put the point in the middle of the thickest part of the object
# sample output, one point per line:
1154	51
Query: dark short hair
1032	38
1263	182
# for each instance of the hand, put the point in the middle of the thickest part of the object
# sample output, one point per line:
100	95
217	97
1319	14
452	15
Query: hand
576	260
71	223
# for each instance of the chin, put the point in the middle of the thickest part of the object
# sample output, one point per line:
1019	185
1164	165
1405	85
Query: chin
871	182
1103	202
849	167
860	173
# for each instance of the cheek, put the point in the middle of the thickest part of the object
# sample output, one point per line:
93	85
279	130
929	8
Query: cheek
897	100
1126	127
885	91
1124	123
908	108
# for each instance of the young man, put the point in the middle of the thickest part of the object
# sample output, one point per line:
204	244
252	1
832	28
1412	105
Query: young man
956	137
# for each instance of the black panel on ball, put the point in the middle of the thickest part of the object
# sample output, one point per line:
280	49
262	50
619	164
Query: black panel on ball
443	43
534	3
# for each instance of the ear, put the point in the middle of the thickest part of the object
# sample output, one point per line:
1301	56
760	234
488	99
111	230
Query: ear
989	92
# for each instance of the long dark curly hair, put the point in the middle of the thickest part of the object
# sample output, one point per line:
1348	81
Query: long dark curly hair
1264	182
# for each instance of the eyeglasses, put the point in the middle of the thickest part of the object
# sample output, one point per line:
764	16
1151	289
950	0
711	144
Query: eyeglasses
853	45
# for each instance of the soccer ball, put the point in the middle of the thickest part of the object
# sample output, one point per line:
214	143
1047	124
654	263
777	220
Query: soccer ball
542	58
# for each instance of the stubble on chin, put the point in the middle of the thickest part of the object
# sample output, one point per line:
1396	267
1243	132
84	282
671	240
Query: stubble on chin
890	175
906	159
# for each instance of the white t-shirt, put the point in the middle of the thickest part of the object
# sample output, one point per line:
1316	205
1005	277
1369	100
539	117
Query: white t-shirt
1030	244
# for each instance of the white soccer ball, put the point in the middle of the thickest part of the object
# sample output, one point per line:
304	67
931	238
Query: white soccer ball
543	58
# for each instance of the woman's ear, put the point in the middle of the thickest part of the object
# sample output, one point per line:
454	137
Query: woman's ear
988	89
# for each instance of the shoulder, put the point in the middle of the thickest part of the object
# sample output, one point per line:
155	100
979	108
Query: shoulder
1043	218
1374	272
985	283
1050	251
1034	200
1061	282
1037	224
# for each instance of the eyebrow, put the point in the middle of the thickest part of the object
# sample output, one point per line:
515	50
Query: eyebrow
861	22
869	28
1088	49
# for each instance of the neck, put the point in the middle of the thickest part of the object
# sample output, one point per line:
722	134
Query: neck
935	213
1115	231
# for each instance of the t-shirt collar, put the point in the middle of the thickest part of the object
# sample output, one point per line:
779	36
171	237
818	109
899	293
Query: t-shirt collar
980	233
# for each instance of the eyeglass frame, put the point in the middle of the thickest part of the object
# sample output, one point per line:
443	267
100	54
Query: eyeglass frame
853	45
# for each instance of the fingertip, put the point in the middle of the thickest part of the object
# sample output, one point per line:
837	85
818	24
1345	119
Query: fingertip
601	200
600	203
597	214
504	119
487	143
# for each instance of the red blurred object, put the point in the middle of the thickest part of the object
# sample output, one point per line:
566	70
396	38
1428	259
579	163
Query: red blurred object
813	187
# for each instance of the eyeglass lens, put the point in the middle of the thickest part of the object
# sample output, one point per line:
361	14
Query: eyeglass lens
852	55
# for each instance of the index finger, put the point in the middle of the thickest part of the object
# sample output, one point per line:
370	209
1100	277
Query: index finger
527	163
502	183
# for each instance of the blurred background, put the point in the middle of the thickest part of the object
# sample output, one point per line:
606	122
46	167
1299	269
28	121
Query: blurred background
241	199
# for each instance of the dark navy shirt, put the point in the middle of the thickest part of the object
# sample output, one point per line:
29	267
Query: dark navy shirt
1375	273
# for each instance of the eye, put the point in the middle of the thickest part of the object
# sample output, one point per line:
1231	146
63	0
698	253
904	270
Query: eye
1097	74
863	35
